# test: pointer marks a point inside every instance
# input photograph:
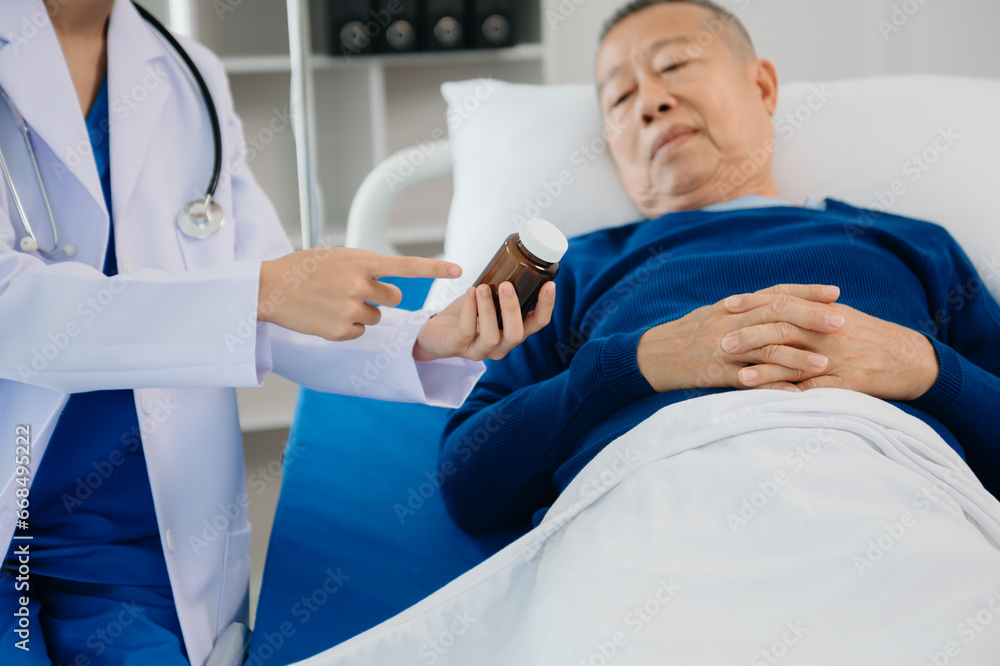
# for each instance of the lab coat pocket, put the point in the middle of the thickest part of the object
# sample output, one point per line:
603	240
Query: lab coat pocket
234	604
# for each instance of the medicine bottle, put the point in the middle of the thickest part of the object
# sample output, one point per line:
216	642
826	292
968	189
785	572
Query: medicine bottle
527	260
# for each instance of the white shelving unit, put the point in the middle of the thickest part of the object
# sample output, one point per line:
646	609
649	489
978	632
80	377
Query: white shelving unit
366	107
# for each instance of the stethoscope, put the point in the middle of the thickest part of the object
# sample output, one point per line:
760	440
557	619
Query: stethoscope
199	218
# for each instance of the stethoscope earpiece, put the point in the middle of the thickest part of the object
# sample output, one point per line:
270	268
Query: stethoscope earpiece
29	244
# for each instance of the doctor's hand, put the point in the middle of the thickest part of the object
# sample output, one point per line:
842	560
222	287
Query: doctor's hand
329	291
468	327
865	354
687	352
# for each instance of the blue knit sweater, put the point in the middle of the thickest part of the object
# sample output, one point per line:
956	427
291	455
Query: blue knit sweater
539	415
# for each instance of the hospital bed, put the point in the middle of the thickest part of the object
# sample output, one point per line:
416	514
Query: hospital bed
360	531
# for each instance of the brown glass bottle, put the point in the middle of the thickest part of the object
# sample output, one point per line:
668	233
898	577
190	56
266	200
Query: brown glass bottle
527	260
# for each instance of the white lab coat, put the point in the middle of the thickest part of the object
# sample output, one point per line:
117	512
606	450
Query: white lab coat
179	325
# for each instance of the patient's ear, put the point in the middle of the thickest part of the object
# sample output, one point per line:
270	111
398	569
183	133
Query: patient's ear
765	78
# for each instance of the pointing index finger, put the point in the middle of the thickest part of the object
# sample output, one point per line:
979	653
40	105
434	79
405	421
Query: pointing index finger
413	267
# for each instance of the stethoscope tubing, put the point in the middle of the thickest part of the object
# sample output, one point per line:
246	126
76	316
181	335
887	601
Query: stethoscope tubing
23	127
213	117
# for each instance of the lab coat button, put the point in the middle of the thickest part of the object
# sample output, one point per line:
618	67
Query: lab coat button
147	402
169	538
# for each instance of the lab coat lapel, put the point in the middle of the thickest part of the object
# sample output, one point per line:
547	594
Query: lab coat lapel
139	84
33	72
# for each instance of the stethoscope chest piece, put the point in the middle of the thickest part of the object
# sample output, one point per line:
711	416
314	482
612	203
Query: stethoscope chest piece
200	218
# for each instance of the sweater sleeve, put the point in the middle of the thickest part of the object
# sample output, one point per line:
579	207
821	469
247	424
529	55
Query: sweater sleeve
966	395
500	450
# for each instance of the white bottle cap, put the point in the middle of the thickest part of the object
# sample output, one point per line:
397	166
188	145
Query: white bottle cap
543	239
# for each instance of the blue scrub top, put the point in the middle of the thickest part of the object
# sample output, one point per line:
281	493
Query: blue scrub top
92	517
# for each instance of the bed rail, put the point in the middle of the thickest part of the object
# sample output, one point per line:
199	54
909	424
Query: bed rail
366	222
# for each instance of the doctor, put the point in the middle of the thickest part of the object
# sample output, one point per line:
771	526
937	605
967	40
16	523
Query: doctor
150	319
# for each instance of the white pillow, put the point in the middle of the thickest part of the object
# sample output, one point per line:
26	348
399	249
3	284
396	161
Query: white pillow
525	150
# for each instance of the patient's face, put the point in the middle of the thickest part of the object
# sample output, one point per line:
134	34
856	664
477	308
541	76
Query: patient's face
666	69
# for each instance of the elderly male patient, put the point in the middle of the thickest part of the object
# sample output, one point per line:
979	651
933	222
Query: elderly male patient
723	287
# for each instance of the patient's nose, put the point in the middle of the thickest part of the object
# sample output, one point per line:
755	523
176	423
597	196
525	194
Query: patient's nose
648	117
654	101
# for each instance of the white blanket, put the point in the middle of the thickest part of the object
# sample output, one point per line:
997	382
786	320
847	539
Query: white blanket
752	527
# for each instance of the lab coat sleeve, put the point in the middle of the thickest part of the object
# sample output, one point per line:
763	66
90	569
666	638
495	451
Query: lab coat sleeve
69	328
380	363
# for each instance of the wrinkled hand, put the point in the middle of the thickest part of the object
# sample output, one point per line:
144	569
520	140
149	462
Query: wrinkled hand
685	353
468	327
865	354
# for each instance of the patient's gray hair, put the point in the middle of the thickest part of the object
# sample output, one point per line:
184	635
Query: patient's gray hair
736	35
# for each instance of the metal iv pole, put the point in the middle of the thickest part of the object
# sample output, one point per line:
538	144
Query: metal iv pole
304	122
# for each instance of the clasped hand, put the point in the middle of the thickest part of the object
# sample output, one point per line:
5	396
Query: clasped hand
791	337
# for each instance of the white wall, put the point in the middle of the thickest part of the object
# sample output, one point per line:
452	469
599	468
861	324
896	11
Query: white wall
159	8
820	39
